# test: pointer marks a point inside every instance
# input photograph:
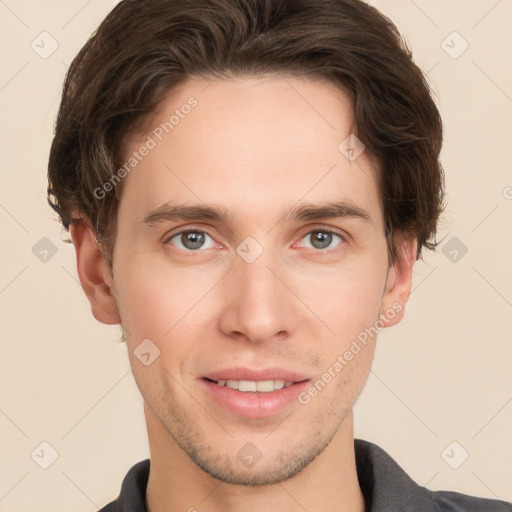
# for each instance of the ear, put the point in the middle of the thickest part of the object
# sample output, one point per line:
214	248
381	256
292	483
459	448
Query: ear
94	273
398	282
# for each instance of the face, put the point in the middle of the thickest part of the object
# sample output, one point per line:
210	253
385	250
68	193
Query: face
276	267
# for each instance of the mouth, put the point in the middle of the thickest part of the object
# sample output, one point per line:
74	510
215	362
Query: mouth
254	393
263	380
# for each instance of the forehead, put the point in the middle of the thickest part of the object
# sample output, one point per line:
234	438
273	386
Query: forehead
251	144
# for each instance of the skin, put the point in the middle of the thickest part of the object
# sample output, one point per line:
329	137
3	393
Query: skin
256	147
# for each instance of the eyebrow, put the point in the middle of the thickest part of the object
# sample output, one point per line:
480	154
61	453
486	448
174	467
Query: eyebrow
305	211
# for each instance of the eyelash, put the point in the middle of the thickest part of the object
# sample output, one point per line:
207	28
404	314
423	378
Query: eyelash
168	239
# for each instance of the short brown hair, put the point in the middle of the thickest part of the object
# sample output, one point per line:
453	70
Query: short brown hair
144	48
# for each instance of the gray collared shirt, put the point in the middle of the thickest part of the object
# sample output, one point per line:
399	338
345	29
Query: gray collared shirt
384	484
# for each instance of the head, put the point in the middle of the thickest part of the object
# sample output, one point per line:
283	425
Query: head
247	184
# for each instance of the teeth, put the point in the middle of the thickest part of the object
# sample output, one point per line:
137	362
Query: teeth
265	386
262	386
247	385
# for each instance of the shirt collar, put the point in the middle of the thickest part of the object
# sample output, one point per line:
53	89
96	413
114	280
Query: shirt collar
385	485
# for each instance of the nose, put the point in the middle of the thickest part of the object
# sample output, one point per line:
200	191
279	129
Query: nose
259	306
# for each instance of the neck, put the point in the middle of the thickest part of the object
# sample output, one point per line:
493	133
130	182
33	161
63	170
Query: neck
176	484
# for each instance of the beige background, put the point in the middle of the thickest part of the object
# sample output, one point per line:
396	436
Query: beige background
443	375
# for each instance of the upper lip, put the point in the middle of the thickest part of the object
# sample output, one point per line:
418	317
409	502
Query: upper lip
239	373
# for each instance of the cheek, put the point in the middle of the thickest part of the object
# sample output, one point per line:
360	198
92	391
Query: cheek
347	299
155	302
156	297
335	390
348	302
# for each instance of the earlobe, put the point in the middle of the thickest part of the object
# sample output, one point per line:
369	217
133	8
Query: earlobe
94	274
398	283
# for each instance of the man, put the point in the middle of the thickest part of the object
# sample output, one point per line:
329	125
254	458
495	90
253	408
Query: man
248	185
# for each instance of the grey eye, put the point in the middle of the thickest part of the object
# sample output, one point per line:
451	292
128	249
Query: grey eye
321	239
191	240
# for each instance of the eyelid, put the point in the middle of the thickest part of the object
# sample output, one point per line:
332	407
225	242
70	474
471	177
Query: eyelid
328	229
183	229
166	239
344	239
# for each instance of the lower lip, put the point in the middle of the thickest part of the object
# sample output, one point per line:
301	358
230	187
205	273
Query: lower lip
254	405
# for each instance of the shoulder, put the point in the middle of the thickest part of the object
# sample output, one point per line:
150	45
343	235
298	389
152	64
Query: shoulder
111	507
386	486
448	501
133	490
